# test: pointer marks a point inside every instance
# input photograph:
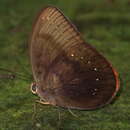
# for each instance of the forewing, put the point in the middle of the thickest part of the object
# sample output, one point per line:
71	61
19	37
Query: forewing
52	34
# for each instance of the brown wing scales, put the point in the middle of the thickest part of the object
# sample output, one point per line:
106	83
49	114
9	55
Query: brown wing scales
69	71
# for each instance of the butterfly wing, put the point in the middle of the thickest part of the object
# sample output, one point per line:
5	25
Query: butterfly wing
50	37
69	72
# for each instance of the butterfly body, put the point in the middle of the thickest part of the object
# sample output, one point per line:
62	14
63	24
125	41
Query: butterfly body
69	72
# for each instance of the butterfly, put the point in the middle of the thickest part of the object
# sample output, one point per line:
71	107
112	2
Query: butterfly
68	72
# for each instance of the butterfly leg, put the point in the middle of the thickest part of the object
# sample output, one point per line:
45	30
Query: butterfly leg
42	102
72	113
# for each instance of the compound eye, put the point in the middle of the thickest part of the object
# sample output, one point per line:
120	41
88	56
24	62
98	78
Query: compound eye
34	88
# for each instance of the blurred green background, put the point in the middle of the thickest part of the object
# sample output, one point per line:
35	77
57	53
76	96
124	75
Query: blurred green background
105	24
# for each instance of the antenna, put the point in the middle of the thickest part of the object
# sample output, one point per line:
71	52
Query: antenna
13	75
7	76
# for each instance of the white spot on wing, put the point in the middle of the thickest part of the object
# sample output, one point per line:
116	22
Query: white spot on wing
72	55
93	93
95	69
95	89
89	62
97	79
82	58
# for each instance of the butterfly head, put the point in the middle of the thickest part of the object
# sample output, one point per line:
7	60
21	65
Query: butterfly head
33	88
46	96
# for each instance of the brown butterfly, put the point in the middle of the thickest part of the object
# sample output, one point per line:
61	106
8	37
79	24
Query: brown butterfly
68	72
